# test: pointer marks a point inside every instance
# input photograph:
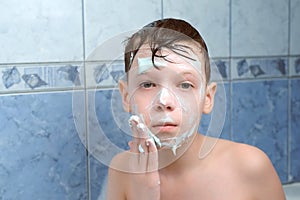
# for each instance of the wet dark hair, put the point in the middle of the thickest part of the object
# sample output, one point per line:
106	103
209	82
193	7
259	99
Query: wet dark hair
166	33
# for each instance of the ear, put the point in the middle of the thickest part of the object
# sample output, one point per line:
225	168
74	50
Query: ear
123	88
209	98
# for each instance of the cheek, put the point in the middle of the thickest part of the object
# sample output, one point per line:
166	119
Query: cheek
140	106
139	102
192	108
192	102
200	97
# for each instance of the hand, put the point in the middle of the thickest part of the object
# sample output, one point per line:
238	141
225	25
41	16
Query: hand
144	163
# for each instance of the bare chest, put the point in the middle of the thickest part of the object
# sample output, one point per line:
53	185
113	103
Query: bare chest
212	187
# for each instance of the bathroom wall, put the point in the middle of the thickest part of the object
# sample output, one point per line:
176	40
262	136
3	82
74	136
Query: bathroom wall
56	99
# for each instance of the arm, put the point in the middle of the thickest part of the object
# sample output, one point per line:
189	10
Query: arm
135	184
137	176
115	185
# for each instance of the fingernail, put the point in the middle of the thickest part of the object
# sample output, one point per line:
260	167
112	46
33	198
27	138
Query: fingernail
150	140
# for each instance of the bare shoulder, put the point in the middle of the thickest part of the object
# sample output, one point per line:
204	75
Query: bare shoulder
254	169
246	158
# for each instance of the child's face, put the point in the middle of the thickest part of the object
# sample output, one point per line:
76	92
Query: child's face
169	99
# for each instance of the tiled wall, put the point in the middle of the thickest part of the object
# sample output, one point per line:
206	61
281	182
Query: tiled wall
53	98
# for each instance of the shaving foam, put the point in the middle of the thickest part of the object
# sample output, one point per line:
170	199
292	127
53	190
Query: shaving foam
141	125
163	96
146	63
178	140
175	142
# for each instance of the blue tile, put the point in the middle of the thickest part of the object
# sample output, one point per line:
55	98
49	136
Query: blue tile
260	118
41	156
109	115
295	130
98	179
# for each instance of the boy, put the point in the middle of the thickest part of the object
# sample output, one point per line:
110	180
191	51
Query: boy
167	89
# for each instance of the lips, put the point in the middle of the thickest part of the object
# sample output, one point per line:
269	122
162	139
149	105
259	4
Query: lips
165	127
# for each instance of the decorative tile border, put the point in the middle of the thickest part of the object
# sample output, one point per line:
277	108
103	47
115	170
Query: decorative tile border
252	68
107	74
104	74
38	77
220	69
294	66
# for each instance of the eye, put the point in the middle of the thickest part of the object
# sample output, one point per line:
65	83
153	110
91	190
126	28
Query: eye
147	85
186	85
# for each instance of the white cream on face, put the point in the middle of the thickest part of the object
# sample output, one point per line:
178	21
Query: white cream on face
186	105
140	124
145	64
166	97
175	142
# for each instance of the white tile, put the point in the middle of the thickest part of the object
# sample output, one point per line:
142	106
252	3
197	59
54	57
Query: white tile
259	27
108	19
210	17
295	27
292	191
40	31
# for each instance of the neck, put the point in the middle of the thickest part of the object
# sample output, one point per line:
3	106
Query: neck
186	155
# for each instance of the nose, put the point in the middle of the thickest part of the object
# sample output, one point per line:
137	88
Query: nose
165	100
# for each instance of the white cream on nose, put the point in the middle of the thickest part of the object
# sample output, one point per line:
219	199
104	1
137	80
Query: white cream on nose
163	96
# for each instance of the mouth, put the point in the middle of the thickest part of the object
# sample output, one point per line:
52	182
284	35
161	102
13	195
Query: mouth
164	127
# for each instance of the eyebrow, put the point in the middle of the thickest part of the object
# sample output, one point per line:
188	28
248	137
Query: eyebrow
145	73
188	74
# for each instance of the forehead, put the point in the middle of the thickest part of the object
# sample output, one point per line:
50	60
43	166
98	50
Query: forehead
179	59
185	48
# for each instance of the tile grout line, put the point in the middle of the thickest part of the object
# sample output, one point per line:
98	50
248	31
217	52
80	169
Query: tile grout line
230	70
162	8
88	187
288	161
100	61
